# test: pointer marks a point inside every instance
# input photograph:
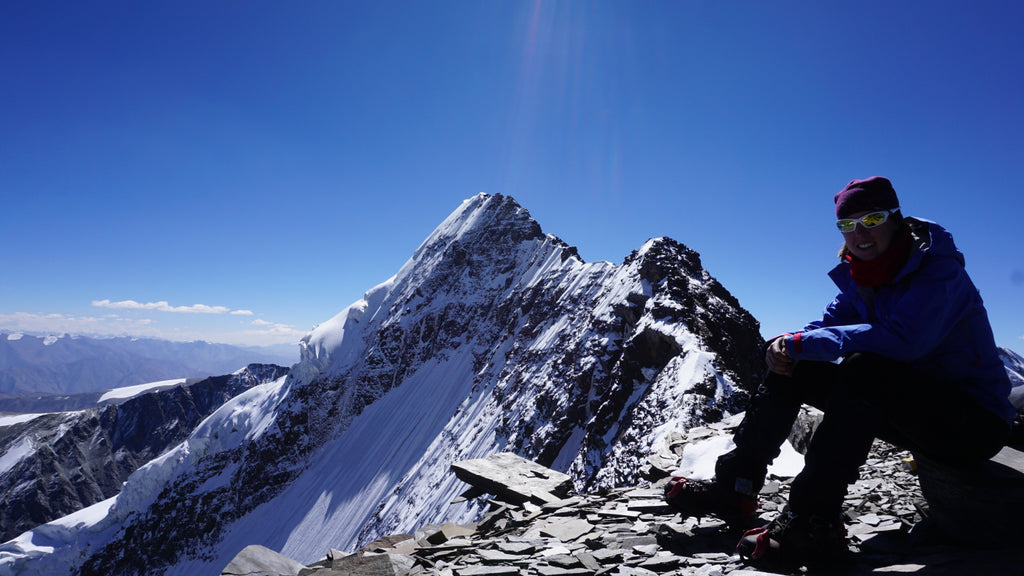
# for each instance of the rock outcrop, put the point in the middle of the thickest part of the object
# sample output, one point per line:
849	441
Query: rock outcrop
632	532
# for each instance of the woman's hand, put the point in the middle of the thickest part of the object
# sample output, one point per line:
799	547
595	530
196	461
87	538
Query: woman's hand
778	358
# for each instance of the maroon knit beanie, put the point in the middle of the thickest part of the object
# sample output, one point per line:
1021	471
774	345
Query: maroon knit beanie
875	193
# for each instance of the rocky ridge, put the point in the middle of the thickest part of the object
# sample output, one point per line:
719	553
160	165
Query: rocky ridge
542	528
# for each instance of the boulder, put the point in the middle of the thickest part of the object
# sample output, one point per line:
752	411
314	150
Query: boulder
259	560
982	506
371	564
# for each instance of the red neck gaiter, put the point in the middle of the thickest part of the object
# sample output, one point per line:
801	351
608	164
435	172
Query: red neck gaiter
884	268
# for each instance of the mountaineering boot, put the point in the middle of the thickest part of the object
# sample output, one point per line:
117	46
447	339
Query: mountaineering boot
730	496
794	540
701	498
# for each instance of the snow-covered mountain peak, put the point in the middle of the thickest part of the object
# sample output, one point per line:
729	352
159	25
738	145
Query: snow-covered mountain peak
493	336
472	256
482	219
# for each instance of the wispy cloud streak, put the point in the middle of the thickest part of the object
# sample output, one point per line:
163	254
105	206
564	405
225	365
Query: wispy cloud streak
163	306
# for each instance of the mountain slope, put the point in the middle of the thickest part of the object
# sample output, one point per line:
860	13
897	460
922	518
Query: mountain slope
492	337
56	464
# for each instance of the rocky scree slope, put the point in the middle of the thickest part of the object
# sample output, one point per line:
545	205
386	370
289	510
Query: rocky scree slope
629	531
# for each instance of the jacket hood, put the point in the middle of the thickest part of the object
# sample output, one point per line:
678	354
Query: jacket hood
929	239
934	239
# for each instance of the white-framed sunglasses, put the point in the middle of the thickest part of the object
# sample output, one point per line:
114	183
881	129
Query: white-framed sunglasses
869	220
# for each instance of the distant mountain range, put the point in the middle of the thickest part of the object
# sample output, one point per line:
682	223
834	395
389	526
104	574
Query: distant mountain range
63	365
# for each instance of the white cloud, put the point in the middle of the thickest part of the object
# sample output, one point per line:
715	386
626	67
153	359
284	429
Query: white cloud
163	306
125	318
61	324
275	329
107	325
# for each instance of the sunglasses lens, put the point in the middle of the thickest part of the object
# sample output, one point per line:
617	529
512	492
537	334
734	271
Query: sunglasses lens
867	221
873	219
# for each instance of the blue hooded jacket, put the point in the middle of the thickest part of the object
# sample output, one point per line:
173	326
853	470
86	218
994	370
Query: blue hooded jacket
930	316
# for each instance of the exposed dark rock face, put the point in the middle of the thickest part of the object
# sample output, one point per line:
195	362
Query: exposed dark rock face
80	458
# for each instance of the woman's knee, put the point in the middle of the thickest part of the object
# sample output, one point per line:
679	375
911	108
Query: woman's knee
867	365
868	375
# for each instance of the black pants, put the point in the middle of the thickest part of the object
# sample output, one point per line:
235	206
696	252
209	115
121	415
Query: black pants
864	397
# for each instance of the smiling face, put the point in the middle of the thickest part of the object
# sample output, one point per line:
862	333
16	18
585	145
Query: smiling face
869	243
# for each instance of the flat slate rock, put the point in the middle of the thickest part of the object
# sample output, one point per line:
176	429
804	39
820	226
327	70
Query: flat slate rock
487	571
1012	459
437	534
514	478
370	564
566	530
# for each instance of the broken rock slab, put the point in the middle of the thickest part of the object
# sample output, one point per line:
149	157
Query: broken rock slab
514	478
437	534
565	529
982	506
366	564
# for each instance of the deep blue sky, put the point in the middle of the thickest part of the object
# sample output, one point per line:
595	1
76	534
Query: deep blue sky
277	159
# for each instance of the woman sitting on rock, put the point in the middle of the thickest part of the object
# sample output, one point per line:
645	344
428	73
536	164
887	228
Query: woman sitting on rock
904	353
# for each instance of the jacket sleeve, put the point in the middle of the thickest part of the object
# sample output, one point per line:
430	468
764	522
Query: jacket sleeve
909	323
840	312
